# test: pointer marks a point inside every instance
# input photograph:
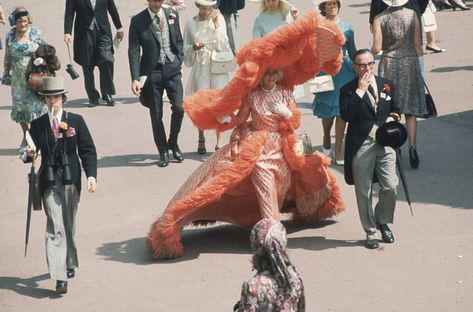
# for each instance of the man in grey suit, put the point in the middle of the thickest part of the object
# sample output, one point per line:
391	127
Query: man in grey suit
366	103
155	50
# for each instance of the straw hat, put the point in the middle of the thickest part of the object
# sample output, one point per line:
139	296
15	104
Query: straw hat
53	86
395	3
319	2
206	3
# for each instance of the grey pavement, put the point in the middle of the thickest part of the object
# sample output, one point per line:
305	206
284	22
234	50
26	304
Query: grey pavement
428	268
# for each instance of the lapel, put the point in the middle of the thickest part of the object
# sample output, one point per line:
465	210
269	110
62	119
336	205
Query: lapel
171	29
89	4
152	27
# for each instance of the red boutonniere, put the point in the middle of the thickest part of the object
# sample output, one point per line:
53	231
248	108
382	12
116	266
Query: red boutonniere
386	88
172	15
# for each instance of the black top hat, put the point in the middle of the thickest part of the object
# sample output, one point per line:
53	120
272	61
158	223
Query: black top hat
392	134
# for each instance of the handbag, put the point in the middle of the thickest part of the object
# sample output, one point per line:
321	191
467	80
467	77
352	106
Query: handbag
222	62
321	84
35	81
429	101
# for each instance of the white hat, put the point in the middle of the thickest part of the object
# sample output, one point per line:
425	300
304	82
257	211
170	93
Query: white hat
395	3
207	3
52	86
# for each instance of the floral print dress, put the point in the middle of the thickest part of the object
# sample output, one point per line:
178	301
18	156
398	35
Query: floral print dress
26	104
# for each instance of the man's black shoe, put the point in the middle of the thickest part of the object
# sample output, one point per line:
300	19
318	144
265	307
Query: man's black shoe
61	287
176	153
386	233
163	159
93	103
71	273
109	100
372	243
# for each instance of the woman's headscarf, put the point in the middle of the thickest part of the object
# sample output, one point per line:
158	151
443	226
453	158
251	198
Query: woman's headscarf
268	238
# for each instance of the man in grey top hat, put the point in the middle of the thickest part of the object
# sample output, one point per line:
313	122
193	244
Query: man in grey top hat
65	144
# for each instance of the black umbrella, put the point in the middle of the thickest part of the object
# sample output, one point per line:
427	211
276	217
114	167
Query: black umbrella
403	178
31	181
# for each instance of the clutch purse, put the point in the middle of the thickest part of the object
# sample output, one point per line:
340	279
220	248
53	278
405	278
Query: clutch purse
321	84
303	145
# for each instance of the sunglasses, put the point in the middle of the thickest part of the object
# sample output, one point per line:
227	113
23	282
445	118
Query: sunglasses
365	65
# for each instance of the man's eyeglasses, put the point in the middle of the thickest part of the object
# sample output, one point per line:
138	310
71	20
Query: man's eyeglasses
365	65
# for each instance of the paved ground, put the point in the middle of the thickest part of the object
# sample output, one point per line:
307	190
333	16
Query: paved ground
429	268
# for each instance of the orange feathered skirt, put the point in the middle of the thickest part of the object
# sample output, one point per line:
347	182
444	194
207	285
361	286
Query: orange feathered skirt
221	190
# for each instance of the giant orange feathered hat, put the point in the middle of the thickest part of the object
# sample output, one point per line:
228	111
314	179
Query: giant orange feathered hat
300	49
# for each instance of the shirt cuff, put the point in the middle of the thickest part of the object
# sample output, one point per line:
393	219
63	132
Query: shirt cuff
120	29
92	179
360	93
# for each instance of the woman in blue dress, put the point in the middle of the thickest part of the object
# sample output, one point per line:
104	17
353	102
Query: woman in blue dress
20	44
274	13
326	104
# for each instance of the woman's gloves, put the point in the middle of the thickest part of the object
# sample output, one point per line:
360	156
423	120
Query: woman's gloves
280	109
224	119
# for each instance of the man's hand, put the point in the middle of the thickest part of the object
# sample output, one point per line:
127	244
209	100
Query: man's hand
120	35
91	184
135	87
365	81
67	39
198	45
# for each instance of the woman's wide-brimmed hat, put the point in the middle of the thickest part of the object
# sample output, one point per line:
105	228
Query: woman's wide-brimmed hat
392	134
53	86
395	3
206	2
319	2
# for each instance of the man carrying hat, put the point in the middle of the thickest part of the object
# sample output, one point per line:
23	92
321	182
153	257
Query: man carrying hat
367	103
155	51
65	144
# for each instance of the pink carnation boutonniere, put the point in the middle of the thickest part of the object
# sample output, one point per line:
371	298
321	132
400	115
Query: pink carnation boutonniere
69	131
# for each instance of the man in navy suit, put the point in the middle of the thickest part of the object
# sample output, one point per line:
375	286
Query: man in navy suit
156	32
65	144
366	103
93	43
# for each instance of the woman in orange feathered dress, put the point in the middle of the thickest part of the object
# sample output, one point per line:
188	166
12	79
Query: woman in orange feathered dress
263	171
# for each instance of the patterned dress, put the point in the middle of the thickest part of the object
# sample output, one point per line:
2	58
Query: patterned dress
399	62
326	104
26	104
271	175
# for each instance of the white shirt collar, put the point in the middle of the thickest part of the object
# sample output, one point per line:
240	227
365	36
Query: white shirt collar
160	13
59	116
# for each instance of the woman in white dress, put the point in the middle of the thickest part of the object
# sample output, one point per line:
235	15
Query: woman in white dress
203	34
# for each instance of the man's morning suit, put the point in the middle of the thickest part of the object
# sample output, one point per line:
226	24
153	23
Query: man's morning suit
93	41
61	201
365	160
148	57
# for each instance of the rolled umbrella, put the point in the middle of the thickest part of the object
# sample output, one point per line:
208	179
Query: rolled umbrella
403	178
31	181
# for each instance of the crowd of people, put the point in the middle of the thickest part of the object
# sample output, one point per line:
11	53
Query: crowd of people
260	168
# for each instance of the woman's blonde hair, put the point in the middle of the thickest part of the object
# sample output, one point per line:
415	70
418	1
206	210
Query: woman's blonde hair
283	7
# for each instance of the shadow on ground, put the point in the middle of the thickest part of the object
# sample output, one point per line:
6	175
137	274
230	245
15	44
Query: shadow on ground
225	238
28	286
140	160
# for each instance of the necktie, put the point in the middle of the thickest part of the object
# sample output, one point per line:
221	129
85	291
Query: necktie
158	21
371	91
55	127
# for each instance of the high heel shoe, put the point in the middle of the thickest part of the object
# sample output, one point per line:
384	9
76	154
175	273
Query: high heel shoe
413	158
201	150
462	7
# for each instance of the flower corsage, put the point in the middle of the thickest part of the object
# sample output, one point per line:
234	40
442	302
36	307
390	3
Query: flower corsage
69	131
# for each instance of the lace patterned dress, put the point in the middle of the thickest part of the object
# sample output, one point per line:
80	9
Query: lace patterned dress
26	104
399	62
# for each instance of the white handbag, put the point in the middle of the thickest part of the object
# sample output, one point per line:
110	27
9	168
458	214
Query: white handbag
321	84
222	62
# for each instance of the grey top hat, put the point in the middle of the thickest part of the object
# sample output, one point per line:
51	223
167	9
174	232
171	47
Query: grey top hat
392	134
53	86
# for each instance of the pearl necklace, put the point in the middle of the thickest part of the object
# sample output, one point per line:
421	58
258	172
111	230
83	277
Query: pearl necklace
268	92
